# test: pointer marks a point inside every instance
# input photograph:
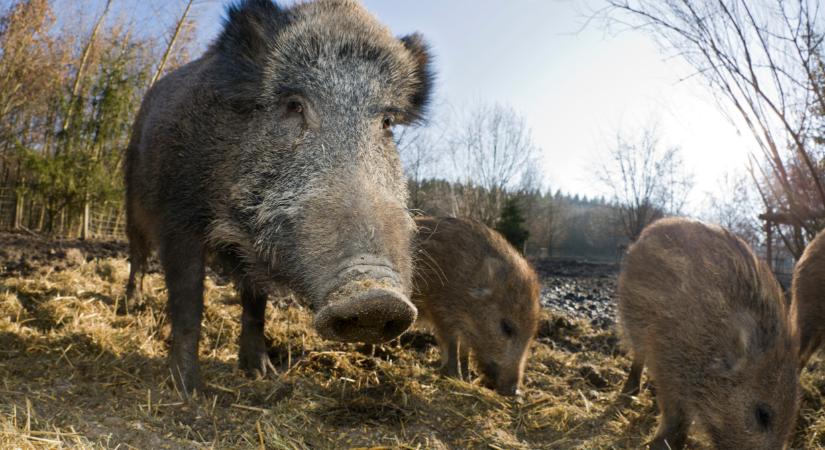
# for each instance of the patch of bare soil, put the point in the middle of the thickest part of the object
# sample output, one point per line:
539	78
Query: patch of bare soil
76	373
24	254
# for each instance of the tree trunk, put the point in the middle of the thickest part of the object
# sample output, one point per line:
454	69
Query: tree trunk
168	50
84	57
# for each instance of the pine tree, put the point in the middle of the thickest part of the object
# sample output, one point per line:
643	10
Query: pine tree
511	224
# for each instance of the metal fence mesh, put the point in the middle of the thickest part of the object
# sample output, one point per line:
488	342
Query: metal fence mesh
105	221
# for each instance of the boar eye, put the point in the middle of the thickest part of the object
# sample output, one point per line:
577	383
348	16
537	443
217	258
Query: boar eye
387	122
294	106
507	328
764	416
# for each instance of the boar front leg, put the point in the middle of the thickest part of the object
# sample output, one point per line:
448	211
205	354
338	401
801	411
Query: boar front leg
449	356
464	360
673	426
253	357
182	257
455	358
634	378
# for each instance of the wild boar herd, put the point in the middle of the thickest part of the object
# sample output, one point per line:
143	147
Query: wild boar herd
271	157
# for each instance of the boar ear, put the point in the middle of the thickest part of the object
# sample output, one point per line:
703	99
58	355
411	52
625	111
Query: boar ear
244	43
740	345
493	268
423	75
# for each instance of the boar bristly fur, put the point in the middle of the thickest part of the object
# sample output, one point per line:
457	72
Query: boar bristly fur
479	295
274	153
808	298
708	320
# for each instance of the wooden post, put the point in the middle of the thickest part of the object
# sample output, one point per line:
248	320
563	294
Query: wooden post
84	231
769	243
18	210
116	228
42	219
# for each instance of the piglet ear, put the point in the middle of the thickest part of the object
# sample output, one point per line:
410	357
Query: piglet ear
741	343
424	75
493	268
248	32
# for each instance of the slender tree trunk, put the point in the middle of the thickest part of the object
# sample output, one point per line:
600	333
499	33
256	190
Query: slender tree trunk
84	57
168	50
42	219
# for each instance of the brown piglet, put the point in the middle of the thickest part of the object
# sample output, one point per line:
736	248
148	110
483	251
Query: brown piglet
709	321
808	298
479	295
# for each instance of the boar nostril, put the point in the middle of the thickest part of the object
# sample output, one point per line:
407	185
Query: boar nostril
343	325
395	327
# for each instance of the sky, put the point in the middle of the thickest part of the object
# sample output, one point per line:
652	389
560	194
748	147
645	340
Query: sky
576	83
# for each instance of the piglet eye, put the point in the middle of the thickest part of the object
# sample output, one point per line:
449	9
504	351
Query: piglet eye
387	122
294	106
507	328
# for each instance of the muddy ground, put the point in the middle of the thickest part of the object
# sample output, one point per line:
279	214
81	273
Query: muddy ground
77	370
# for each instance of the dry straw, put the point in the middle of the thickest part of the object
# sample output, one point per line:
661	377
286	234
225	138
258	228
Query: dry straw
76	372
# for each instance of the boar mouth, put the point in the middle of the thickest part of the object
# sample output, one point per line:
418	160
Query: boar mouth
490	371
492	378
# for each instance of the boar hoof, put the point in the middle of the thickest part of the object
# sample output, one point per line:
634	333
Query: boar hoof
184	368
256	364
450	371
630	390
186	379
665	444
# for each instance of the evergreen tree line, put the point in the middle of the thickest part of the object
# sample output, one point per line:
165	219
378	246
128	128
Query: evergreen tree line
538	223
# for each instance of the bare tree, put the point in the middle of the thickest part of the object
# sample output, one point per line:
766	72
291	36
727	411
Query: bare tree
763	62
735	205
421	150
179	25
645	179
491	152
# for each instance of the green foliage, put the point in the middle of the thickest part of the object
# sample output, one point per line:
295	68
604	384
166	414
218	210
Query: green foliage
63	147
511	224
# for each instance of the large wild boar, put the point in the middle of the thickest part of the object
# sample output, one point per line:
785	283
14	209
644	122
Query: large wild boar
808	298
479	295
709	321
274	152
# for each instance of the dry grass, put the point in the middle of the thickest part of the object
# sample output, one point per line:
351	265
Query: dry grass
75	373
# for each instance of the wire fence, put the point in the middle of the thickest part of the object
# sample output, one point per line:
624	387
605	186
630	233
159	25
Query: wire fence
106	222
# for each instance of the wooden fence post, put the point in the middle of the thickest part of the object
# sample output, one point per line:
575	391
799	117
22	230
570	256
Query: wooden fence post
18	210
84	231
